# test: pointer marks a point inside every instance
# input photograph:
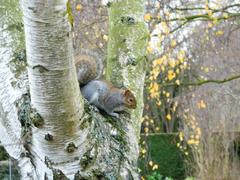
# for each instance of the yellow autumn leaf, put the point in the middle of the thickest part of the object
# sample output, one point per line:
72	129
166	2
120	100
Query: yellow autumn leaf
177	82
143	151
105	37
154	90
167	13
181	136
155	166
177	70
210	13
181	56
173	43
168	117
219	33
167	94
215	21
197	142
172	63
149	50
206	7
201	104
171	75
155	72
191	141
159	103
197	137
193	127
225	15
165	28
158	61
150	163
146	130
162	68
147	123
79	7
147	17
210	25
198	130
206	69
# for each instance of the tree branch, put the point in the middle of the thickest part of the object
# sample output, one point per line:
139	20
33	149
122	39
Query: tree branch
202	8
204	16
201	82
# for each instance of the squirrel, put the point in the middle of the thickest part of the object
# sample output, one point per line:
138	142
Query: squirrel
101	93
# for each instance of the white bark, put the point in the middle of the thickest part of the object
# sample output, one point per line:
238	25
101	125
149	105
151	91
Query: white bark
10	87
53	86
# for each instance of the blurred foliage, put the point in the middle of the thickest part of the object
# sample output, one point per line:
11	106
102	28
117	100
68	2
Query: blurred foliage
3	154
162	156
4	172
4	168
157	176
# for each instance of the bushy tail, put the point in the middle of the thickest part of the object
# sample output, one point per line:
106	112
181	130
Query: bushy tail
89	67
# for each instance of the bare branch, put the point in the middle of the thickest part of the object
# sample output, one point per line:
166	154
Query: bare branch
201	82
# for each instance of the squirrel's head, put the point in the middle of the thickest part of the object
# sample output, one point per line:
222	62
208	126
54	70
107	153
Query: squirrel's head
130	100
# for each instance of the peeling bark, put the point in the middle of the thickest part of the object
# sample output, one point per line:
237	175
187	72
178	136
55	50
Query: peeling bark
13	80
53	86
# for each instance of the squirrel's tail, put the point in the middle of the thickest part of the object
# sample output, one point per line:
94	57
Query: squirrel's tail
88	66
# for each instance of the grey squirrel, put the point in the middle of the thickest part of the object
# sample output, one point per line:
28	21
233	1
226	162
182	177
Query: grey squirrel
101	93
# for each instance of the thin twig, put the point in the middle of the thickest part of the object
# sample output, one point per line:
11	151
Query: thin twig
201	82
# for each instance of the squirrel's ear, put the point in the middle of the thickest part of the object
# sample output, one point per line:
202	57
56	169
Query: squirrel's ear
127	92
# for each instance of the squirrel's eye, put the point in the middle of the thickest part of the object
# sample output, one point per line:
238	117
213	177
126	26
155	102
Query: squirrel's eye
130	100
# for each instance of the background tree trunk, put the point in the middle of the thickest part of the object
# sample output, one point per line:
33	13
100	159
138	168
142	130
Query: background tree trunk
128	36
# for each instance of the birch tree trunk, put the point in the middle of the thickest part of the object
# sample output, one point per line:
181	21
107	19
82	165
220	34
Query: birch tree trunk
54	88
13	82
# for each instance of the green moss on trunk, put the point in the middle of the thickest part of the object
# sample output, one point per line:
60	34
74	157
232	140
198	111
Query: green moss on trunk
128	37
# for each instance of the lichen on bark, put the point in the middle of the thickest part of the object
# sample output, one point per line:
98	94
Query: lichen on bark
128	37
